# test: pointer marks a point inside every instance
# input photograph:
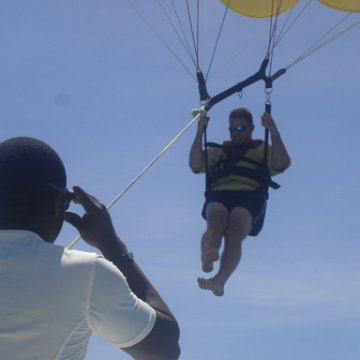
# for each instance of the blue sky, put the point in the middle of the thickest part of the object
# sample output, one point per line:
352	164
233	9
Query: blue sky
91	80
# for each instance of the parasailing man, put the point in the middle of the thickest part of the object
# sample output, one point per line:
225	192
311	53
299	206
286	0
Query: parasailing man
237	184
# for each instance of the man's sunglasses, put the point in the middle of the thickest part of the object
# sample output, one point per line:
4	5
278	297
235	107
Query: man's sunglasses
67	194
238	129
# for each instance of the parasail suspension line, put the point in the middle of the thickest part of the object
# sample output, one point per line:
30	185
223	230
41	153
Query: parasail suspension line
156	33
285	29
217	39
318	44
195	42
273	24
182	38
196	113
272	30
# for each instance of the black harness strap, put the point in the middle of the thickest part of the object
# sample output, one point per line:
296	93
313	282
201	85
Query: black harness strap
266	136
207	177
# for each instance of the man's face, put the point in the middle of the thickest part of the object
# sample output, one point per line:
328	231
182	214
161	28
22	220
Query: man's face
240	130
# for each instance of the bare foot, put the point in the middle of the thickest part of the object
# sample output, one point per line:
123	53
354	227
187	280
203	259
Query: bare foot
208	258
210	284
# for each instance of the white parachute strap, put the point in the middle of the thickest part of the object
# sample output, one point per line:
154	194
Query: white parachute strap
323	42
196	113
156	33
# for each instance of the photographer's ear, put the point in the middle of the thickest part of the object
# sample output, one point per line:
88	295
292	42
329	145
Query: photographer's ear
56	205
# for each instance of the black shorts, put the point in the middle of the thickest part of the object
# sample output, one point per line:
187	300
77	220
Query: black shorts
253	201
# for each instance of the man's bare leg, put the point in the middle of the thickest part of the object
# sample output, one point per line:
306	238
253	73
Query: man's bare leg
238	227
217	217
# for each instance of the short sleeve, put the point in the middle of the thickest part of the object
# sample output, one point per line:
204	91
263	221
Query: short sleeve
115	312
213	156
259	151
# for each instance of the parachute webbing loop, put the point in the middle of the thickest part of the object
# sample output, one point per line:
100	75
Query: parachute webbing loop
147	167
204	96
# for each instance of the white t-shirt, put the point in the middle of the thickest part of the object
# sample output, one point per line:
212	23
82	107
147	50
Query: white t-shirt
51	298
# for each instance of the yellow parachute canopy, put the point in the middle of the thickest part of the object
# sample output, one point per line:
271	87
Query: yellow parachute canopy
344	5
260	8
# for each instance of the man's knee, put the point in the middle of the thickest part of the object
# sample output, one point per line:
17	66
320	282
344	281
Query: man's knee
217	218
240	223
216	213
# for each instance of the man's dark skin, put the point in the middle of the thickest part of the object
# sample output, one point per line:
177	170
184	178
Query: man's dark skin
96	228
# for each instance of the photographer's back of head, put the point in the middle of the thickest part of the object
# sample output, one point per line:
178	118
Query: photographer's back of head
29	169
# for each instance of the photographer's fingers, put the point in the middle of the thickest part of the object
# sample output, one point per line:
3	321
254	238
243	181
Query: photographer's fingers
88	202
74	220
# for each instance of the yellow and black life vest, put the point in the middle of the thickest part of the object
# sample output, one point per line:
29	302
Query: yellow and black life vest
229	165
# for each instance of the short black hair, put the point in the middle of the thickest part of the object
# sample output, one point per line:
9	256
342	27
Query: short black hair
242	113
28	163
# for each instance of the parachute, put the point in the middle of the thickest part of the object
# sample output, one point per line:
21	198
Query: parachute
344	5
259	8
267	8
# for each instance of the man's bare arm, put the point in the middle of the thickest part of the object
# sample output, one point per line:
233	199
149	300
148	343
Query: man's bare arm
280	159
96	228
